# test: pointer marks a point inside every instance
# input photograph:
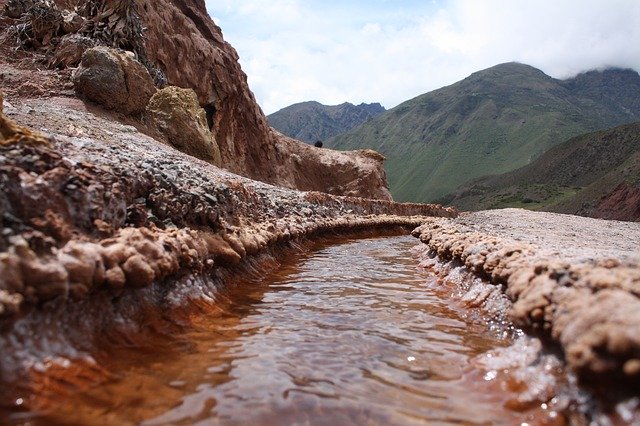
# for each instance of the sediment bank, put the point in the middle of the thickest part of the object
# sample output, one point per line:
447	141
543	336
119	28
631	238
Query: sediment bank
574	281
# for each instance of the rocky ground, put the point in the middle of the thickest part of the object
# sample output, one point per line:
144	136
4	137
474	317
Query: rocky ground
93	178
574	281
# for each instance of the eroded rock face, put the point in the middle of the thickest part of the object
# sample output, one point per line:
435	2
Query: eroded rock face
353	173
185	43
114	80
175	112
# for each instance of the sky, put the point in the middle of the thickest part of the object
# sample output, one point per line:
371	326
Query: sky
389	51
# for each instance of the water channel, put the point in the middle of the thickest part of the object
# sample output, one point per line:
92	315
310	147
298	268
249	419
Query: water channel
350	332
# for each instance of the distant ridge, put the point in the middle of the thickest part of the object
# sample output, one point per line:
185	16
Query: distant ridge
596	174
311	121
492	122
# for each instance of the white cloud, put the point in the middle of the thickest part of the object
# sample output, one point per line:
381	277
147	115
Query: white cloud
330	51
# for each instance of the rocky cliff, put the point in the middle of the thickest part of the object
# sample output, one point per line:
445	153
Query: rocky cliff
181	46
187	45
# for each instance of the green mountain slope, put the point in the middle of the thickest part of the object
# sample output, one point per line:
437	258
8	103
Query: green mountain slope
494	121
577	176
312	121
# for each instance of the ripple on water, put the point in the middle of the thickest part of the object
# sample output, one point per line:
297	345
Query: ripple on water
345	334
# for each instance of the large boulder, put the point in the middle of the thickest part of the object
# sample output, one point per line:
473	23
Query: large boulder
350	173
176	114
114	79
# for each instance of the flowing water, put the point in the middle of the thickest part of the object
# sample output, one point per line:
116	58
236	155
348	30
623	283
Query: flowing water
346	333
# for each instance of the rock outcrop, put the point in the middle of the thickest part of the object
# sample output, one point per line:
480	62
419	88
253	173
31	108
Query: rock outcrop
189	48
114	80
176	114
352	173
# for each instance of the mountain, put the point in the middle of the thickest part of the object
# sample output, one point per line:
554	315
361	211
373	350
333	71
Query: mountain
596	174
492	122
312	121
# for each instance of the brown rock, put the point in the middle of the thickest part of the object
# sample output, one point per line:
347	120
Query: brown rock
114	80
71	22
15	9
353	173
138	271
185	43
115	277
176	114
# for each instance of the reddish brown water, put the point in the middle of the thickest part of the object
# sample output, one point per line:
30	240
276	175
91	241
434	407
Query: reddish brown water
349	333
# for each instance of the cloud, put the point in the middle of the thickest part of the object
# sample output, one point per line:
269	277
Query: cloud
390	51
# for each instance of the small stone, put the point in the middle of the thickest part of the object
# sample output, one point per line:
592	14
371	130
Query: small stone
537	314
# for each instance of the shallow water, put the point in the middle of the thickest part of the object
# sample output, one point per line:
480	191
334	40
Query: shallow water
347	333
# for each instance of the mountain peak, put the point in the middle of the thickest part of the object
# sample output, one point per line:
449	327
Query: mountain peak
618	88
311	121
493	121
607	76
510	68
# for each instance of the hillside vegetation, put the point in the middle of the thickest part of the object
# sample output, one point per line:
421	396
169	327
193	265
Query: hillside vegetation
579	176
312	121
492	122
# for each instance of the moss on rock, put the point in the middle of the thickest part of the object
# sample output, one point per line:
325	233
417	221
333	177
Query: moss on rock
176	114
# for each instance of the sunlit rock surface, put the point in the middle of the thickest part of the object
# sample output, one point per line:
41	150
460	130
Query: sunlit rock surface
176	114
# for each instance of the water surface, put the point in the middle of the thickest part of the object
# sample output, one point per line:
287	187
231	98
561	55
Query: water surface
348	333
